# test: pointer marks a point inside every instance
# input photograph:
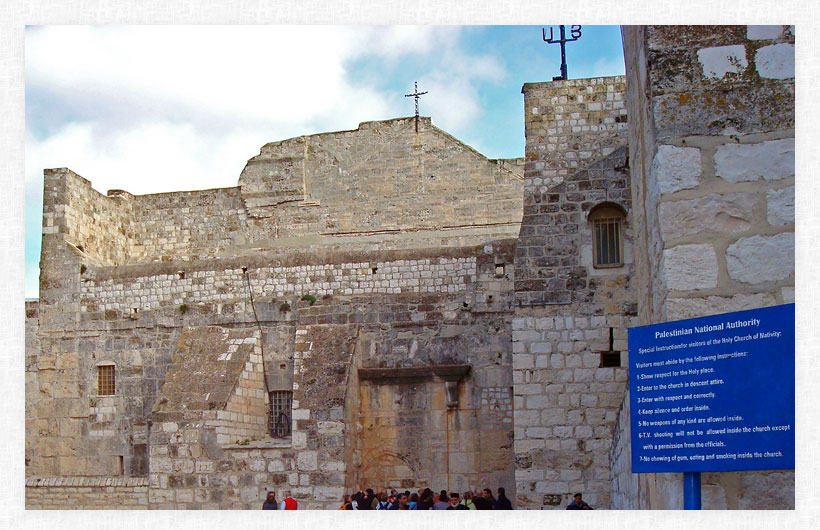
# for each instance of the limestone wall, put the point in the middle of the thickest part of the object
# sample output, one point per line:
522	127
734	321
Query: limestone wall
32	354
569	124
73	431
99	226
554	256
142	292
383	181
568	312
84	493
399	308
187	225
713	165
383	176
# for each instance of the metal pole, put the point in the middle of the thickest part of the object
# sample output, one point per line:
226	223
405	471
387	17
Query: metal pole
563	54
691	490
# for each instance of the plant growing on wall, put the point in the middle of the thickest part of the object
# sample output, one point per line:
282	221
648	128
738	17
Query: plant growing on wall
309	298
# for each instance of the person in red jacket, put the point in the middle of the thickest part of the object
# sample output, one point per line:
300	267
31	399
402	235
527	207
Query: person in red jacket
289	503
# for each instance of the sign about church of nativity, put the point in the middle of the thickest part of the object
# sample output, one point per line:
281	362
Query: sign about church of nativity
714	393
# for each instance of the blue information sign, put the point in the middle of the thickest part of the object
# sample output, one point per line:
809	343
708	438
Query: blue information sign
714	393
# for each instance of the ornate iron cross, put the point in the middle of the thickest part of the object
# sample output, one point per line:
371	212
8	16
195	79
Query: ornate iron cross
416	94
575	32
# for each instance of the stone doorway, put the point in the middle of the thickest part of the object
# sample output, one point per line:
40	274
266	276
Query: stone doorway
418	429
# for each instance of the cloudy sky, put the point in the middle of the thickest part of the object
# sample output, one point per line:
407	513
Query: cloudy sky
152	109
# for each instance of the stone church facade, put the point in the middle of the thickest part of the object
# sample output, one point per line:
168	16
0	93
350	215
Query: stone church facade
387	307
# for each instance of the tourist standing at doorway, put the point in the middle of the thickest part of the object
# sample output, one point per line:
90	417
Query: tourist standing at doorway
480	502
289	503
426	501
502	503
441	503
270	502
488	497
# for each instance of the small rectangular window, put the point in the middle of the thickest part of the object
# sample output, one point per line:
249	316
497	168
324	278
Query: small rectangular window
105	380
608	242
281	402
610	359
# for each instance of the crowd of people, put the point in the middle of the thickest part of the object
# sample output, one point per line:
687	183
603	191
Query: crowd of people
426	499
423	499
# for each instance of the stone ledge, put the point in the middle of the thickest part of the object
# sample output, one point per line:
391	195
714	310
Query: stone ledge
448	372
75	482
269	443
296	258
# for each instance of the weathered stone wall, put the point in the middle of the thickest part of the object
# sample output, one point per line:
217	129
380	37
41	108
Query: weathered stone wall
575	159
382	177
570	124
187	225
73	431
322	369
123	275
427	275
412	440
86	493
397	420
713	166
381	180
32	354
99	226
566	406
567	311
213	398
430	307
554	257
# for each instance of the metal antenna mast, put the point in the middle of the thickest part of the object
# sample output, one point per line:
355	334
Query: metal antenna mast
416	94
575	32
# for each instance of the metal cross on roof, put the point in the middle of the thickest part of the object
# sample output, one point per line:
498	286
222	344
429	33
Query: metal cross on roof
575	32
416	94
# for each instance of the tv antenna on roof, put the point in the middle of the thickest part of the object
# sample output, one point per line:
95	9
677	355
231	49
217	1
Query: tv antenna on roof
575	33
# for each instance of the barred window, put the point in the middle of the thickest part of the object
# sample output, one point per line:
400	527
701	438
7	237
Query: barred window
607	244
106	384
280	408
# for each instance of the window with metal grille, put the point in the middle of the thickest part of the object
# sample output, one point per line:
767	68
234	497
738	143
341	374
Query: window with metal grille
106	380
607	248
280	408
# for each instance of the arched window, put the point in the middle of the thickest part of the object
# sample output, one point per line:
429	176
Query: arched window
106	379
607	235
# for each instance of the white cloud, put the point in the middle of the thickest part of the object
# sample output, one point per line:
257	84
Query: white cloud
394	42
452	76
152	109
159	108
222	74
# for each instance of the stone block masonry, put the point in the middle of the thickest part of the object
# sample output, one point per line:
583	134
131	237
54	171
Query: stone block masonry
569	313
439	319
566	406
713	159
86	493
569	124
430	275
418	185
345	214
